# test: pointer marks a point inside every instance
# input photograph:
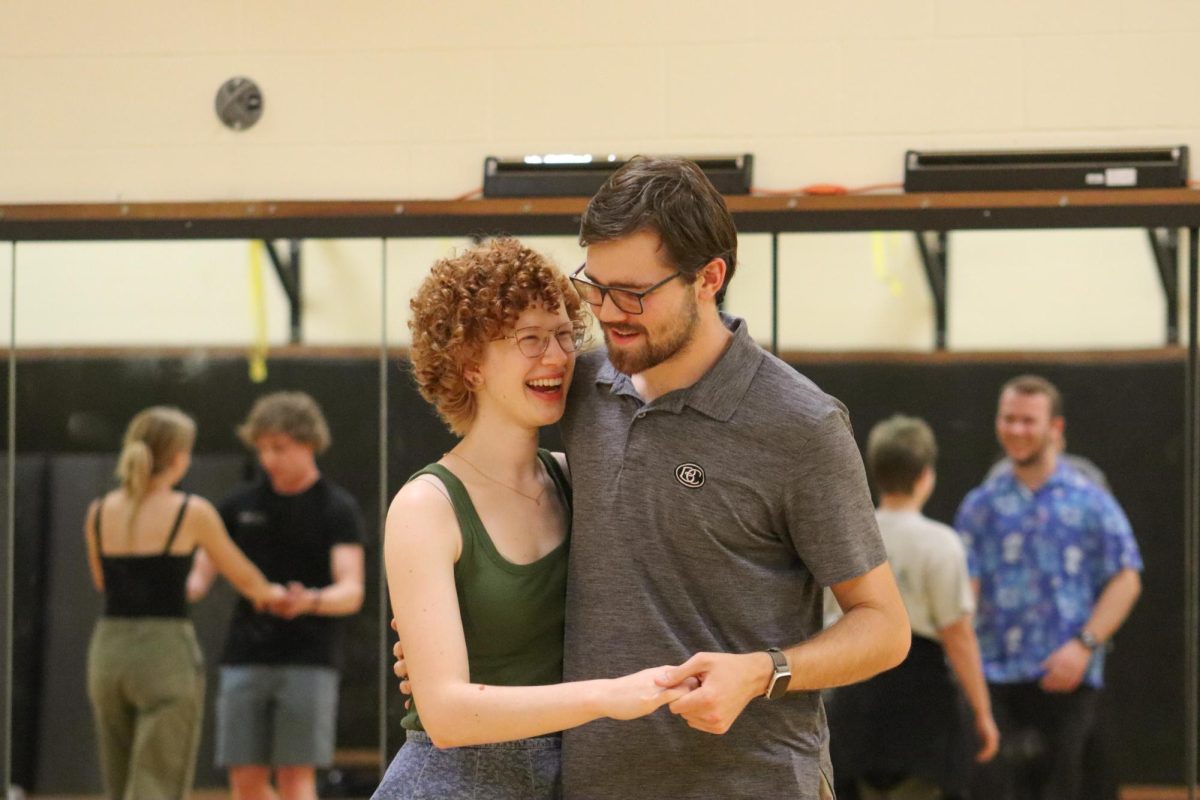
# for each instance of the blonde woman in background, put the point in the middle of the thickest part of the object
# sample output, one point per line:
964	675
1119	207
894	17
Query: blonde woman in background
145	669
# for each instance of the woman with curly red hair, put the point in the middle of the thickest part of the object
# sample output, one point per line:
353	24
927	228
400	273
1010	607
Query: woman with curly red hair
476	543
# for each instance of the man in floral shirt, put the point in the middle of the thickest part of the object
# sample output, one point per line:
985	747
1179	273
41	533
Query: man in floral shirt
1057	570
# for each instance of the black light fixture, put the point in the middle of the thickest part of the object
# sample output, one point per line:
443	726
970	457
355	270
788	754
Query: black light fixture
581	175
987	170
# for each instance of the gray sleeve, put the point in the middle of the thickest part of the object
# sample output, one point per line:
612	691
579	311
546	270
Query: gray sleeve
828	510
947	583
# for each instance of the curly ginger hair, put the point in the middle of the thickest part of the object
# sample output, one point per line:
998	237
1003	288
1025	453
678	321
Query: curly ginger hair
468	300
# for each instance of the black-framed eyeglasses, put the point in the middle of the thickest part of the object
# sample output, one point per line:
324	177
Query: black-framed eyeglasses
626	300
534	341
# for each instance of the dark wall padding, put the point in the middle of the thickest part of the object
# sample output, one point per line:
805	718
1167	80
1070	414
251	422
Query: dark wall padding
68	763
29	583
1125	415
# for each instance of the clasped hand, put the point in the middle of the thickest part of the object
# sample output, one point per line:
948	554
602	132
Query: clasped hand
709	690
289	602
726	683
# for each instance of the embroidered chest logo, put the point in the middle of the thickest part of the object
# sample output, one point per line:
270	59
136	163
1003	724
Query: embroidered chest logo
690	475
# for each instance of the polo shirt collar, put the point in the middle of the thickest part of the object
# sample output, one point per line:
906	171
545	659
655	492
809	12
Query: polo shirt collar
719	391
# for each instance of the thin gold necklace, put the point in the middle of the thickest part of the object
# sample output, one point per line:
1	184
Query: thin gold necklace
535	498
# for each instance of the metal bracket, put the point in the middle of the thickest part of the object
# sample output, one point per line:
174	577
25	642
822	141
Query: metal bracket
288	271
1164	244
775	293
934	247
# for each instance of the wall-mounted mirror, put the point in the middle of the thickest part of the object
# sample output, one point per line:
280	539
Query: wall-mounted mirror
7	489
105	329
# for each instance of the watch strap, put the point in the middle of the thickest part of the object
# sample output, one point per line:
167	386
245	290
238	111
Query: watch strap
780	677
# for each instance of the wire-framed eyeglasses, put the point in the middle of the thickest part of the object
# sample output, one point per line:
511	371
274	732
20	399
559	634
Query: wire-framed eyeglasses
533	341
627	300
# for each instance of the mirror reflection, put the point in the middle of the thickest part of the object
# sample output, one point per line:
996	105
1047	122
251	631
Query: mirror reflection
7	476
268	420
1107	353
107	330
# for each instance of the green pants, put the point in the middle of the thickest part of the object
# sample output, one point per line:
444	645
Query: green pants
146	684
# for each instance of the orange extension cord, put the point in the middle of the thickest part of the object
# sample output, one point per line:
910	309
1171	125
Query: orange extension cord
826	189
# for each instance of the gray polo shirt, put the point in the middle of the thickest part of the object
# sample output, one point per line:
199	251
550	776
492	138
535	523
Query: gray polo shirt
706	520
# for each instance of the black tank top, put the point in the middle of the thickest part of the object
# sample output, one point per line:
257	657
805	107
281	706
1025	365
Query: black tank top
146	585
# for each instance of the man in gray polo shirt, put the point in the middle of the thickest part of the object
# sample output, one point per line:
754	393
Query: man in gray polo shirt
716	492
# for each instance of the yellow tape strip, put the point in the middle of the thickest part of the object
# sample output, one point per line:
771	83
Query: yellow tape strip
879	265
258	315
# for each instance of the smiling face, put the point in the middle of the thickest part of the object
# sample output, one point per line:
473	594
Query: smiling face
670	313
530	391
1026	428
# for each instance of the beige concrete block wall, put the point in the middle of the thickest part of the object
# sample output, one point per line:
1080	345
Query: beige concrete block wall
378	99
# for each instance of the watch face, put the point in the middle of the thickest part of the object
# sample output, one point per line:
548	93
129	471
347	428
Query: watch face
779	685
782	675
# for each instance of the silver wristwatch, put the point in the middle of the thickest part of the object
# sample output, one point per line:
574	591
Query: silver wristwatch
781	677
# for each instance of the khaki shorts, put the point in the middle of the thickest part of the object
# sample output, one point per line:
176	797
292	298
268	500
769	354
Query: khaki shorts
276	715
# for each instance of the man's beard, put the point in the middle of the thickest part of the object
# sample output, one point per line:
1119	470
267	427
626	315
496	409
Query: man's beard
1036	456
652	353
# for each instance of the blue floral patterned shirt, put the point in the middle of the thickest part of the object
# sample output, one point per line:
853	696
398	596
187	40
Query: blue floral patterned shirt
1042	559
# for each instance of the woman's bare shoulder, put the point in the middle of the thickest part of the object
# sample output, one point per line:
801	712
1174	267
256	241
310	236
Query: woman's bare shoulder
422	507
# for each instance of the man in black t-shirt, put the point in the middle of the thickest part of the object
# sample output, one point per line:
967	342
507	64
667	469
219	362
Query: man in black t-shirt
277	706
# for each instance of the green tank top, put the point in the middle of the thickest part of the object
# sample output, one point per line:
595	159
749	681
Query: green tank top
512	614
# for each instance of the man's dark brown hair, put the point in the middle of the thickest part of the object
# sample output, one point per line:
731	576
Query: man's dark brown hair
674	198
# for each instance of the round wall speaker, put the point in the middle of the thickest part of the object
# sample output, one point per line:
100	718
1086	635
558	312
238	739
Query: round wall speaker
239	103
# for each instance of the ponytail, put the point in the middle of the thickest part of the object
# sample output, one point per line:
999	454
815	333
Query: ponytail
152	440
134	469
